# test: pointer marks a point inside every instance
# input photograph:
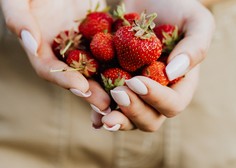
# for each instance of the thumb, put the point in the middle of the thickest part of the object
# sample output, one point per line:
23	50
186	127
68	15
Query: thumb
192	49
21	22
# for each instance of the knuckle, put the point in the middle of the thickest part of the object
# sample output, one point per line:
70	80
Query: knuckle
132	114
151	128
170	114
8	22
202	53
39	73
178	109
209	16
134	111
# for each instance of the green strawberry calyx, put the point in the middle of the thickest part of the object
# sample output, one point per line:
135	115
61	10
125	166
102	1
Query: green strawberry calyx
120	12
106	9
144	26
109	84
84	65
66	42
170	40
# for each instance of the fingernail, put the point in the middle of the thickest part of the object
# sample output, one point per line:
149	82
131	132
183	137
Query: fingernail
177	66
120	97
104	112
113	129
29	42
137	86
81	94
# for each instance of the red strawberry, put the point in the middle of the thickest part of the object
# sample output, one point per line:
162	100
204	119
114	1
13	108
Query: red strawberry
131	17
137	45
83	62
124	19
169	36
114	77
95	22
156	71
128	18
102	47
64	42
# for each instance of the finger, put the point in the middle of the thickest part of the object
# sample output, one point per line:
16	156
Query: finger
20	21
187	86
72	80
168	101
96	120
99	100
46	62
116	120
142	115
192	49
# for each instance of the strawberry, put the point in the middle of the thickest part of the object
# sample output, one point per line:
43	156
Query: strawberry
168	35
64	42
124	19
131	17
156	71
102	47
128	18
83	62
95	22
113	77
137	45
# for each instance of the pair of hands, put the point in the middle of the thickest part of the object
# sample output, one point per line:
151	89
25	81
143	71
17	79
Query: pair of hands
144	103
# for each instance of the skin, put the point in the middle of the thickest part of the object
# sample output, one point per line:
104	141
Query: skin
208	3
39	19
145	112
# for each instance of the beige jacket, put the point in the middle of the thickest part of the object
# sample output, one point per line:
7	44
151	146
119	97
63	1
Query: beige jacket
44	126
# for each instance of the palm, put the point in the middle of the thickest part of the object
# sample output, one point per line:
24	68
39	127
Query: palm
56	15
167	11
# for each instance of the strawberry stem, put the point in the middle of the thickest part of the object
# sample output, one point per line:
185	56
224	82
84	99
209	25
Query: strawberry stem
105	31
120	12
64	70
97	6
150	24
67	47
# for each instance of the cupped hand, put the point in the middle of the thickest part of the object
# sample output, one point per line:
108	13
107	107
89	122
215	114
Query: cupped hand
144	103
193	19
36	23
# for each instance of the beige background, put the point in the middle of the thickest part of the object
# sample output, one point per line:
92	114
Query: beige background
44	126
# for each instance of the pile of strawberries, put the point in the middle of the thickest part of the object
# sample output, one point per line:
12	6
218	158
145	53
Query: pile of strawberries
113	48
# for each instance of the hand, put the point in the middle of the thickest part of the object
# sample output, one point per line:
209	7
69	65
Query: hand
193	19
209	2
144	103
36	23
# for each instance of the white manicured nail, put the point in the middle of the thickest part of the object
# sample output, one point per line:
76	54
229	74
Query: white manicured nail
81	94
177	66
113	129
104	112
120	97
29	42
137	86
